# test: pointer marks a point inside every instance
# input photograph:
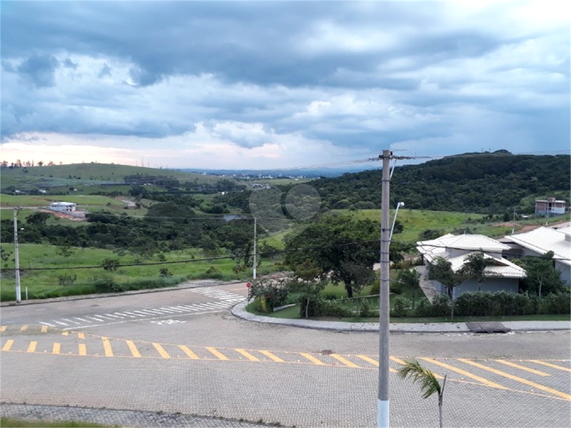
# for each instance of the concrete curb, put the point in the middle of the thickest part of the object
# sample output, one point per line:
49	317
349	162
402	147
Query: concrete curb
239	311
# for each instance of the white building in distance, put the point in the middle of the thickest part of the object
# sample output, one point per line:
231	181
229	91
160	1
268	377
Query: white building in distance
65	207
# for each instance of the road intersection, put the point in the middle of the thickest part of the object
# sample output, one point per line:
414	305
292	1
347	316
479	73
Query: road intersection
213	364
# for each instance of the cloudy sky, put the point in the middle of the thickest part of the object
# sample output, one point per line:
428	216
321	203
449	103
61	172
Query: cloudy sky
270	84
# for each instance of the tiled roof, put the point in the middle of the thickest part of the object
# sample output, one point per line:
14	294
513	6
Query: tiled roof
438	247
545	239
502	268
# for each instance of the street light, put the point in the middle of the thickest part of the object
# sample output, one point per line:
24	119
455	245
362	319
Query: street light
400	204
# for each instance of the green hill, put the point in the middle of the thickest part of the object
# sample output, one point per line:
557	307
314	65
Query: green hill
474	182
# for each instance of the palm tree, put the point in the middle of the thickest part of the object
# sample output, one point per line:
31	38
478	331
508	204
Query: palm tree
475	267
428	382
410	278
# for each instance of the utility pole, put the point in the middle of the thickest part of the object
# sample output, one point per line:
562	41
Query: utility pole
384	307
255	247
17	258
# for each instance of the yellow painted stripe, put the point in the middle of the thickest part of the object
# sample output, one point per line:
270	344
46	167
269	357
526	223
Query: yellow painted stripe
161	350
217	353
3	328
402	363
312	359
465	373
272	356
8	345
32	347
188	352
56	349
107	347
133	349
517	379
345	361
247	354
80	335
82	349
527	369
24	328
553	366
65	333
44	329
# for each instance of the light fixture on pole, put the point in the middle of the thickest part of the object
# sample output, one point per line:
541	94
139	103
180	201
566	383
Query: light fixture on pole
400	204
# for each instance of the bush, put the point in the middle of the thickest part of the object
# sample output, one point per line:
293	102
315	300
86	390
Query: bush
107	284
401	307
335	308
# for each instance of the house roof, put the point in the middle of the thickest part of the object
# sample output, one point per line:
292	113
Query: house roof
545	239
439	247
501	268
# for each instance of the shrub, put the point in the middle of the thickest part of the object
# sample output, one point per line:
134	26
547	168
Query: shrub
401	306
107	284
335	308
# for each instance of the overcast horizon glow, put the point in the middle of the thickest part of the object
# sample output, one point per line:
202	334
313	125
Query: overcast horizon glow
264	85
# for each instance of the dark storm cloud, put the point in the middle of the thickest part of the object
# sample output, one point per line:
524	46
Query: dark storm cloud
39	69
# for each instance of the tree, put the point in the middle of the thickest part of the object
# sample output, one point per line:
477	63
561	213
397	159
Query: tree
342	246
410	278
38	219
110	264
64	250
441	271
428	382
542	277
475	267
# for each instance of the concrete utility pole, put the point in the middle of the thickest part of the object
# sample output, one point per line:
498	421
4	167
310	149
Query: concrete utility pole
384	307
255	247
17	258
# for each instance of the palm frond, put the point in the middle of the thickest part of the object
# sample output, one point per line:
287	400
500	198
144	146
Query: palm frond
428	382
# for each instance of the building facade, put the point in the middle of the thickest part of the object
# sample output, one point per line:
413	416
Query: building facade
550	206
66	207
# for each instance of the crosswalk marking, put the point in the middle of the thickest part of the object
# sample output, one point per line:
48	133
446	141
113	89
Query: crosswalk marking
80	336
553	366
44	329
517	379
3	328
133	349
161	350
82	349
312	359
65	333
217	353
247	354
71	321
527	369
24	328
47	324
465	373
56	348
8	345
344	361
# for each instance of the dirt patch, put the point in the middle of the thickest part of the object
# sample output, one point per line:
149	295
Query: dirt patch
79	216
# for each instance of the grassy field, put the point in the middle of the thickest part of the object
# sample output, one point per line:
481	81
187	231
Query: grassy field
16	423
85	264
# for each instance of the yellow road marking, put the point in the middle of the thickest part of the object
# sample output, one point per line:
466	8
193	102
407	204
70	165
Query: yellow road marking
133	349
312	359
247	354
345	361
56	348
517	379
527	369
217	353
44	329
553	366
465	373
65	333
373	362
32	347
24	328
107	347
161	350
3	328
272	356
80	335
82	349
8	345
188	352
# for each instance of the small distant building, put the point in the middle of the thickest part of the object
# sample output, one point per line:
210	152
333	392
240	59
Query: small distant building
549	207
65	207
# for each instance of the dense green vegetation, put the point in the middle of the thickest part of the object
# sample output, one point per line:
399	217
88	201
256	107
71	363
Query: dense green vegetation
482	182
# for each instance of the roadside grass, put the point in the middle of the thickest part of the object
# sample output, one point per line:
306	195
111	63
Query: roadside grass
16	423
85	265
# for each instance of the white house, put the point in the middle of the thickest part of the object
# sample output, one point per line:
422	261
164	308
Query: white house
63	206
542	240
503	274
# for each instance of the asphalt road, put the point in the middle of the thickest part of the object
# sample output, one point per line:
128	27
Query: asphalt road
182	351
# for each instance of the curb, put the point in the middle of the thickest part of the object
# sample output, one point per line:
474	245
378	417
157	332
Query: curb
239	311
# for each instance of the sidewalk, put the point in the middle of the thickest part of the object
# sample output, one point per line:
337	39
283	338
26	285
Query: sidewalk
240	311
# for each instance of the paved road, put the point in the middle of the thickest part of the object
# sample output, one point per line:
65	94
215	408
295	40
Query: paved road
207	362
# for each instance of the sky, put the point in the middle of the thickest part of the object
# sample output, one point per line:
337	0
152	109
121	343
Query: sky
268	84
